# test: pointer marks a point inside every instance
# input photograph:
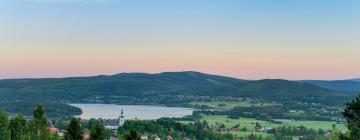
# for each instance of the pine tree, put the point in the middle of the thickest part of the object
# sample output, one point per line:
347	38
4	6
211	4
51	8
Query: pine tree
352	116
132	135
74	131
18	128
4	126
39	125
55	137
97	131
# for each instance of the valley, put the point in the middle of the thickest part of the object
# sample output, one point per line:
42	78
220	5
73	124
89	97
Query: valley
243	108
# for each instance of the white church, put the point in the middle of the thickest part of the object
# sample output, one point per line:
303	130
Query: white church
120	120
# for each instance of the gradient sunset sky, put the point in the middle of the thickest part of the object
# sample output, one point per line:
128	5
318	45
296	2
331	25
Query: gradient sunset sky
248	39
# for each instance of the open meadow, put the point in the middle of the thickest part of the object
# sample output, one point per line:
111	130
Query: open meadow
250	123
227	105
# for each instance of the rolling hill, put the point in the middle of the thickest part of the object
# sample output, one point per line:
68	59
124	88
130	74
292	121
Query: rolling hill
284	90
351	86
355	79
161	88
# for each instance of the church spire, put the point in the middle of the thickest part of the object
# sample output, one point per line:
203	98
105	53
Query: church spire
121	118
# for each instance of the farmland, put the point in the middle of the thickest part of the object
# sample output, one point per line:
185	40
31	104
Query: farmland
247	125
227	105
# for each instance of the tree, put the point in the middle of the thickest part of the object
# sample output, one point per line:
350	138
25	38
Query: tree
74	131
258	126
91	123
132	135
55	137
18	128
352	116
97	131
39	125
4	126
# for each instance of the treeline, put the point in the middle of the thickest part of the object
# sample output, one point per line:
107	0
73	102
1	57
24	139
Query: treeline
38	128
163	128
305	112
18	128
351	113
304	133
53	110
274	112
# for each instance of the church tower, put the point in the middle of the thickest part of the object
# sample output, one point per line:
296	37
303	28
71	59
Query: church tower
121	118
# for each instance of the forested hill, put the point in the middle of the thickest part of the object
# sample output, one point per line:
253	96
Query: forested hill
356	79
54	110
142	88
351	86
284	91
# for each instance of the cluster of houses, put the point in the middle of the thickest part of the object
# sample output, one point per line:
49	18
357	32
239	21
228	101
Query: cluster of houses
61	133
114	125
111	126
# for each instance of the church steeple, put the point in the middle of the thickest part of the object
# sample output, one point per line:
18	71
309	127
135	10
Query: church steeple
121	118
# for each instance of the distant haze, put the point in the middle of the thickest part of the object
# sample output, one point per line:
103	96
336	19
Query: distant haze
248	39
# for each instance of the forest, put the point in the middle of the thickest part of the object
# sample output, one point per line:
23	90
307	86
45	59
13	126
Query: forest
40	128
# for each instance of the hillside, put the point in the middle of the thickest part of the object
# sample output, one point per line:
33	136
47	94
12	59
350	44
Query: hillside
54	110
351	86
124	85
283	90
355	79
162	88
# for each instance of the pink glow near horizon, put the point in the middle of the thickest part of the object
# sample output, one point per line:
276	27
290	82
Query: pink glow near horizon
34	62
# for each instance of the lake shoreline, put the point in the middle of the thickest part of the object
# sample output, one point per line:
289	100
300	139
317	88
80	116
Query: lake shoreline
141	112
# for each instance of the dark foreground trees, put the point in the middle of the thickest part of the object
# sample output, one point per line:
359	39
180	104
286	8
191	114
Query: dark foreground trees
74	131
163	128
39	126
352	116
18	128
98	131
4	126
132	135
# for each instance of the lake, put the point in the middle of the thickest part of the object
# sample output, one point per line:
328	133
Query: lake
142	112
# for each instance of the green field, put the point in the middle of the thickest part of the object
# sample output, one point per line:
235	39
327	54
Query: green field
325	125
249	124
244	134
227	105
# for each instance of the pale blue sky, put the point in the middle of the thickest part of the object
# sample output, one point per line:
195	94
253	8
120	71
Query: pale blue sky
181	19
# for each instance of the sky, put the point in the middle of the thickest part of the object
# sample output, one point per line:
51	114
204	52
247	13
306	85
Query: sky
247	39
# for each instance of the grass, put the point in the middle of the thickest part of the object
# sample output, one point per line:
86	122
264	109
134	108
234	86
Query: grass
249	124
325	125
244	134
185	122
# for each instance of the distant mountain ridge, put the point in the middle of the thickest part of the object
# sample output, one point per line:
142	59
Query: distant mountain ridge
351	86
355	79
166	87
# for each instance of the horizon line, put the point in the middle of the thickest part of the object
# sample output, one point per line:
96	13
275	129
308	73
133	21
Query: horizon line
153	73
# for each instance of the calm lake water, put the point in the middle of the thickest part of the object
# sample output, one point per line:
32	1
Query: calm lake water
142	112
